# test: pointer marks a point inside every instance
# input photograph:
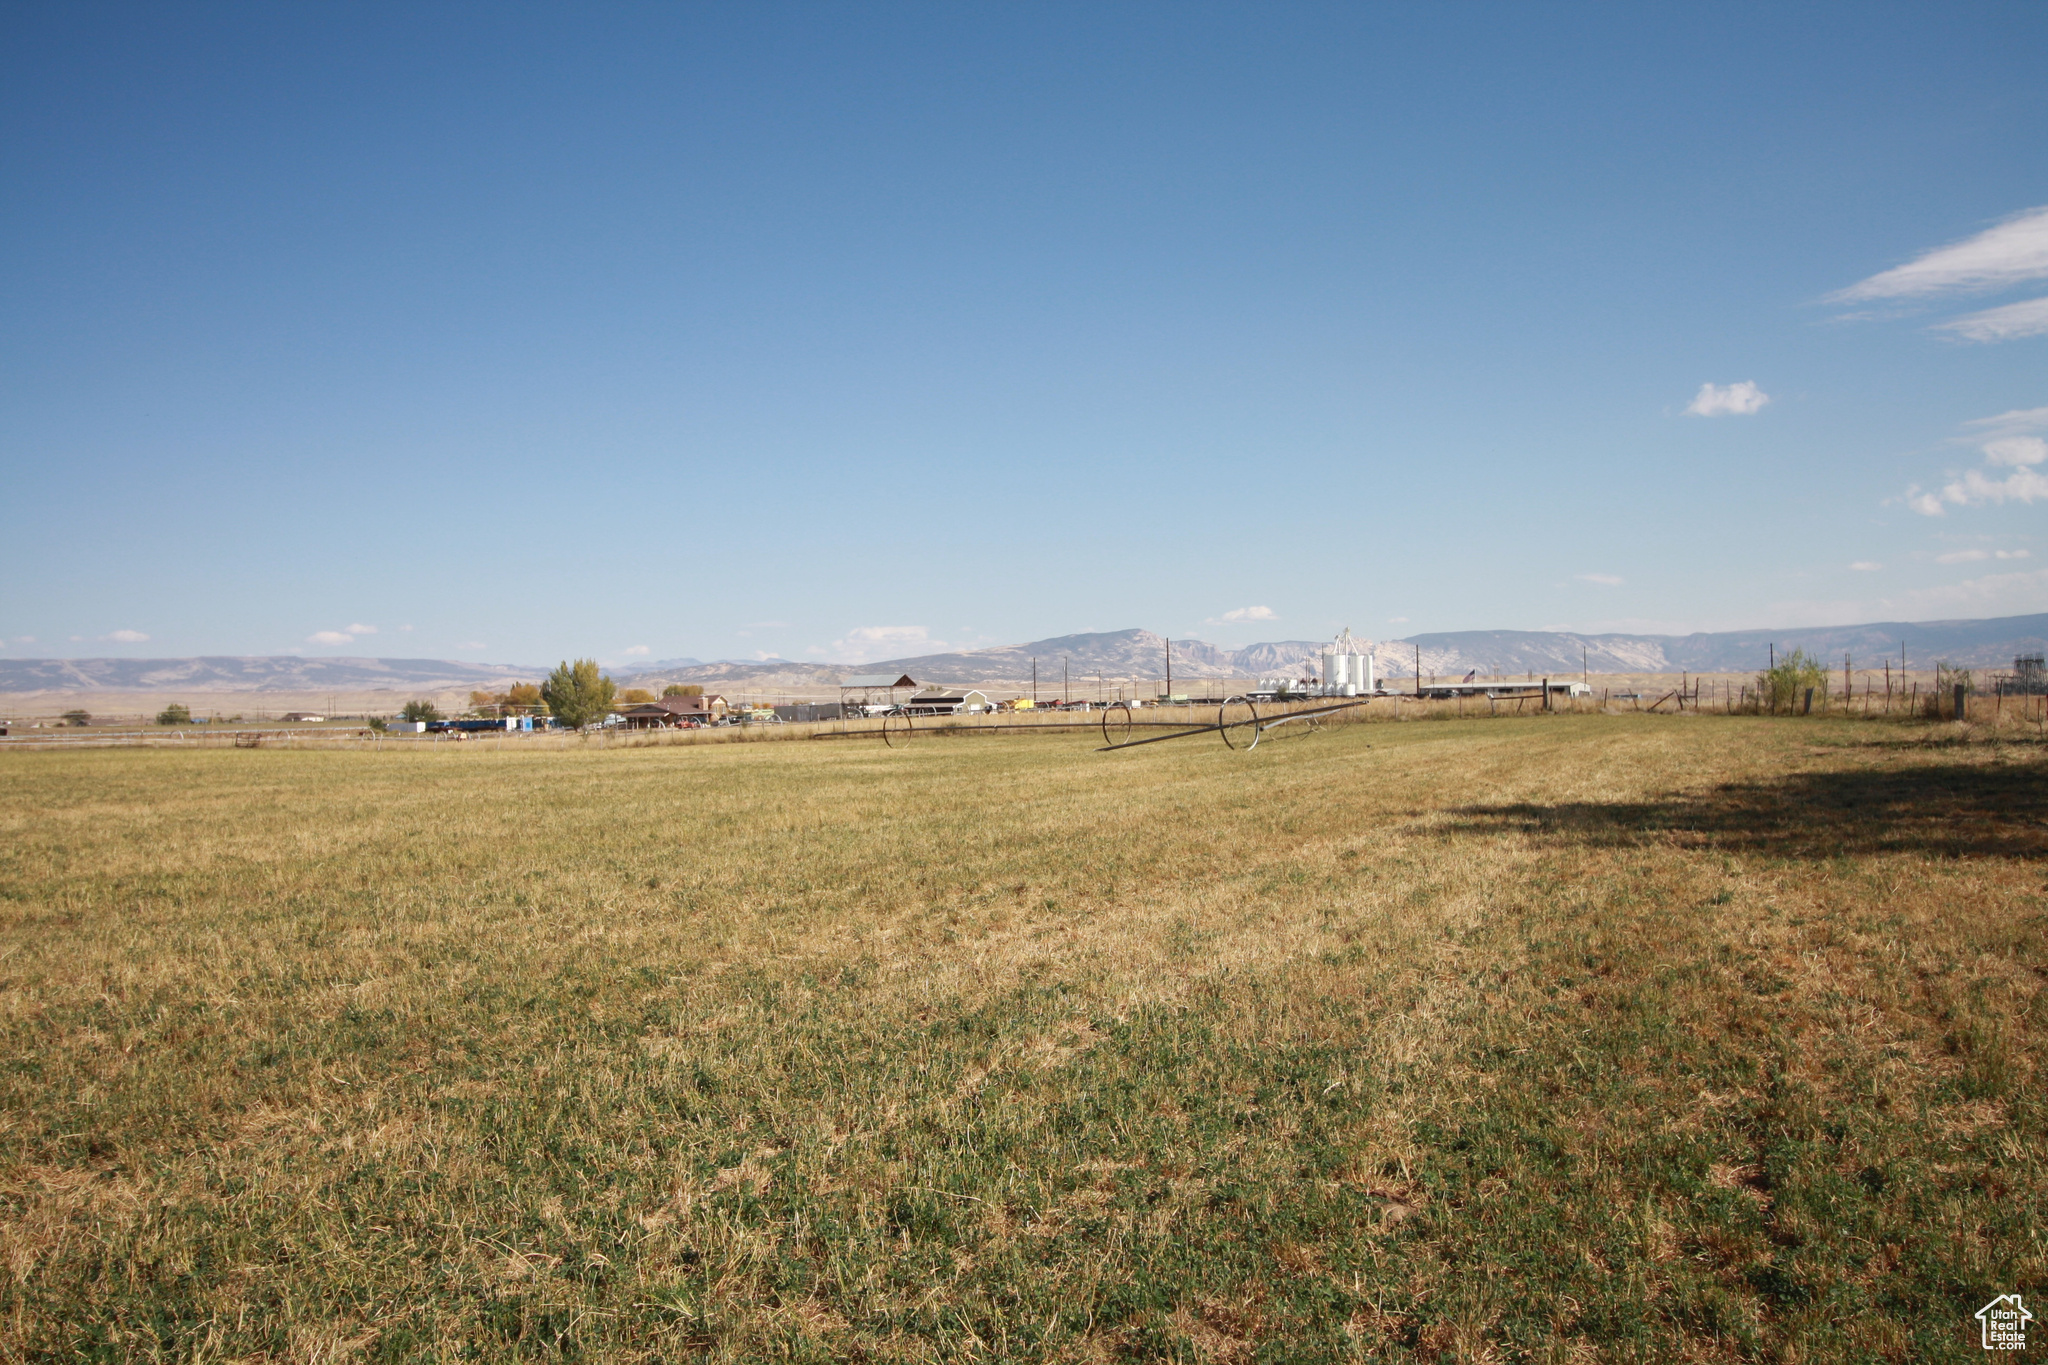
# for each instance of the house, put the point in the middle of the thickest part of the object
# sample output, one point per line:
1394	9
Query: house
671	711
306	716
934	701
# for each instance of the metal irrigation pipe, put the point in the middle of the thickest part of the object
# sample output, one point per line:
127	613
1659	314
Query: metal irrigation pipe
1117	736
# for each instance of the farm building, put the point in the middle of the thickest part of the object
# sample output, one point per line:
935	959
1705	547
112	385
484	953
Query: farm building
866	693
936	701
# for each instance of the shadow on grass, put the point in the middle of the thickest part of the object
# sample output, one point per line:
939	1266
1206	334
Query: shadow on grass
1954	810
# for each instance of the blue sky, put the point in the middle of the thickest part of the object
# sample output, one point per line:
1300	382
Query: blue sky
849	332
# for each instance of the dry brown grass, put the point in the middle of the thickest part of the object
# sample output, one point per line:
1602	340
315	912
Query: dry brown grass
1594	1038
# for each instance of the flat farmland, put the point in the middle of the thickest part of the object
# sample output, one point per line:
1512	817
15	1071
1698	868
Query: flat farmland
1555	1038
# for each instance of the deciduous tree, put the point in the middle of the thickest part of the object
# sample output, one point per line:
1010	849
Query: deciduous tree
577	694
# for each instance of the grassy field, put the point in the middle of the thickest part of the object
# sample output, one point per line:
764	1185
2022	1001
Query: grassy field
1564	1038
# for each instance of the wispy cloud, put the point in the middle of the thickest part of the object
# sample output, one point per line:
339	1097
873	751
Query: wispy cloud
2027	318
1397	620
125	637
1866	566
1719	400
472	644
1245	614
2008	253
345	636
2010	446
1605	580
636	650
1998	594
864	643
2018	422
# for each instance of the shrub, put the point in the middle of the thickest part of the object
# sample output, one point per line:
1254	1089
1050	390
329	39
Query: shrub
635	696
177	713
682	690
78	718
377	724
419	710
1779	688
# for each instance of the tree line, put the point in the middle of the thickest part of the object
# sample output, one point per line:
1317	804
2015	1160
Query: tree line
577	694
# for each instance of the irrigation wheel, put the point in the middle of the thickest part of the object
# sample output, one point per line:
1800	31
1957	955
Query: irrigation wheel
1237	720
896	730
1116	723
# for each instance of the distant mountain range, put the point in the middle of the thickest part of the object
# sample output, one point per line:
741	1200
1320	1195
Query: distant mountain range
1116	656
1124	655
252	673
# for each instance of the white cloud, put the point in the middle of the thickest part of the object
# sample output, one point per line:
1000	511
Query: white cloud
1251	614
1605	580
1975	490
472	644
362	630
2006	442
2008	253
2027	318
2015	554
636	650
1397	620
1866	566
125	637
1739	400
330	637
405	628
2016	450
24	639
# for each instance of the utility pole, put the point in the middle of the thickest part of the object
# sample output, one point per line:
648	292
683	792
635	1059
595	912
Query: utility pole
1585	667
1034	682
1418	670
1169	670
1063	680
